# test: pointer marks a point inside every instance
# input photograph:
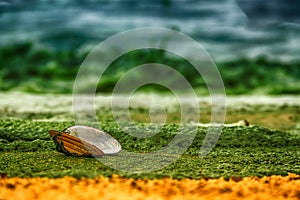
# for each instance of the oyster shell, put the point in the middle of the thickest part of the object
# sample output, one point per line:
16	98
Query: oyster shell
84	141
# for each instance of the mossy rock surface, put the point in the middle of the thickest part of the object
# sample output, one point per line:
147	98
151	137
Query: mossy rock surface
26	149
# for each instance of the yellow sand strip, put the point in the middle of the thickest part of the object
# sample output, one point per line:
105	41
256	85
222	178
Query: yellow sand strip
267	188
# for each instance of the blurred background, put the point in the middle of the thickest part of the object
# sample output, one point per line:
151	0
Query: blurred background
255	44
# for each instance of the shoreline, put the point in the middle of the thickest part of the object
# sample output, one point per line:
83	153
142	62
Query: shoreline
279	112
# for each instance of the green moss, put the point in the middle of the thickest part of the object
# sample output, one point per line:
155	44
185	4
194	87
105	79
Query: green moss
41	70
26	149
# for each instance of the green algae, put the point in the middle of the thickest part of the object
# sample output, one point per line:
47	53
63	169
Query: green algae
26	150
41	70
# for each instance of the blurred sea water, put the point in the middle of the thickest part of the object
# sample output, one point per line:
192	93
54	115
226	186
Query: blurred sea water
227	29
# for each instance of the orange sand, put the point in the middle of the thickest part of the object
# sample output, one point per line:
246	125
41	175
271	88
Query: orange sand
273	187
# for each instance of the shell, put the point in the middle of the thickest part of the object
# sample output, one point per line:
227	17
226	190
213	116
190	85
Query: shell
84	141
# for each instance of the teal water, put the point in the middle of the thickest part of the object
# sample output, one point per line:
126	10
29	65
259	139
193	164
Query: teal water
254	43
227	29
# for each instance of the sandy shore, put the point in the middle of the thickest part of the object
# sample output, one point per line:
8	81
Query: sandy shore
24	102
273	187
274	112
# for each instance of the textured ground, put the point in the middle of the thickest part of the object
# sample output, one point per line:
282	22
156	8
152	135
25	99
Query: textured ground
249	157
273	187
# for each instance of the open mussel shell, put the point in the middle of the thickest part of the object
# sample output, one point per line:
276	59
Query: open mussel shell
84	141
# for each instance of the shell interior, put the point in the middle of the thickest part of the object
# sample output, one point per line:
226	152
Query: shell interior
105	142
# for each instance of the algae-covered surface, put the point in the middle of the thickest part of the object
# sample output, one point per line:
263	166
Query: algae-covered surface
43	70
269	146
